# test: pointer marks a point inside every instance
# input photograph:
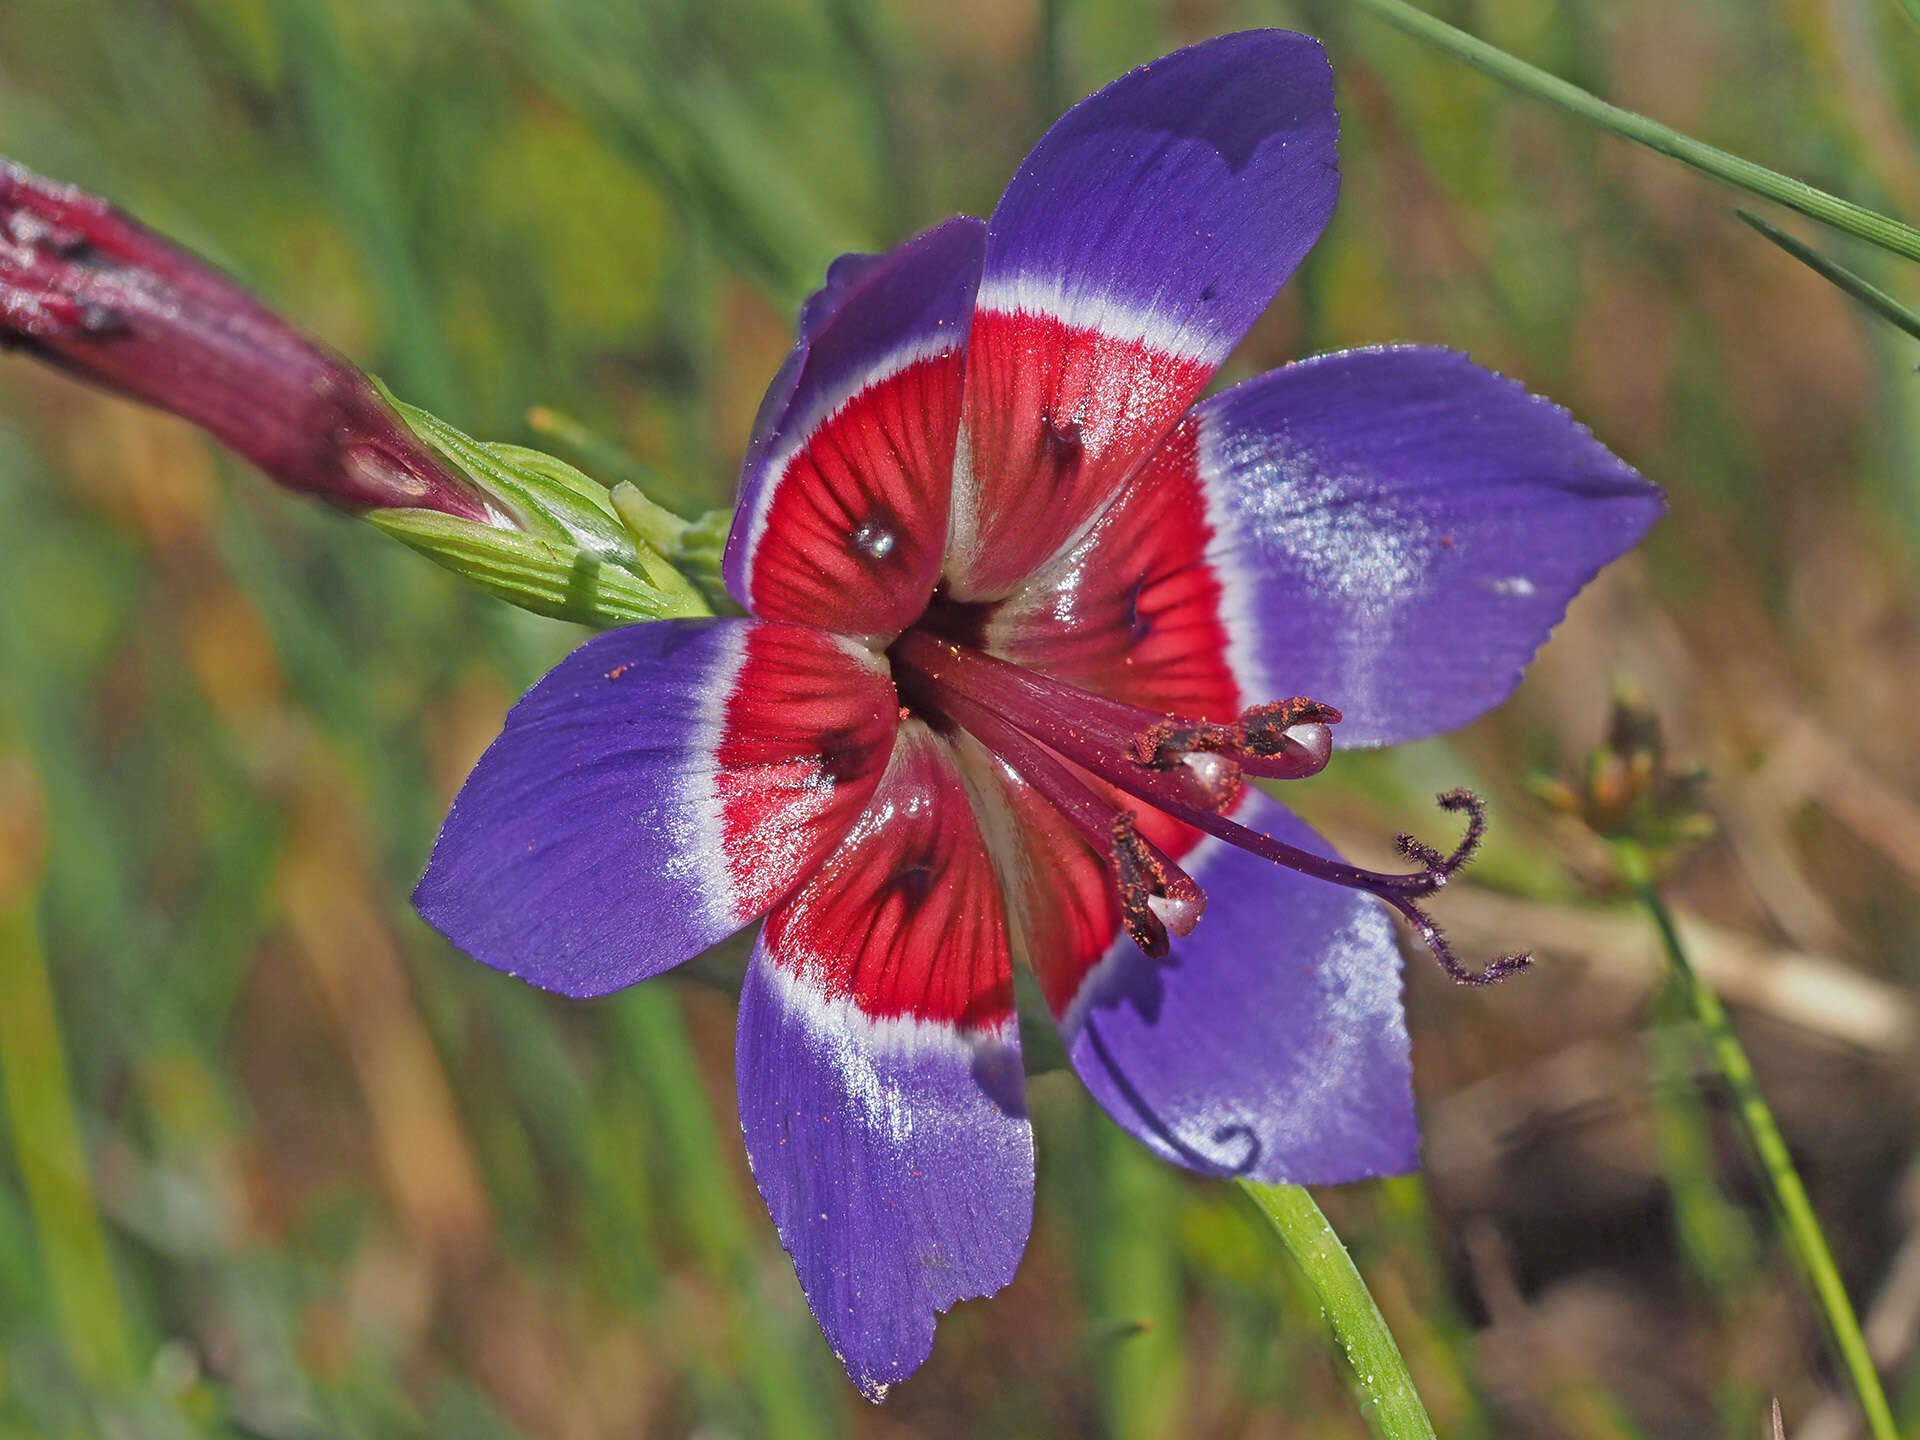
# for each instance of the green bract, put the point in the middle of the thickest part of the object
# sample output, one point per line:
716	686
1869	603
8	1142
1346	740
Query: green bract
577	553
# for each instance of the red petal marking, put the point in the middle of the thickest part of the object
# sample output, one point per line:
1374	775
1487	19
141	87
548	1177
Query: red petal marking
855	529
1057	415
906	917
803	738
1061	894
1135	609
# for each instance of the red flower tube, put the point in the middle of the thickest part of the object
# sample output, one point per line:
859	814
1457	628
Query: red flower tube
86	288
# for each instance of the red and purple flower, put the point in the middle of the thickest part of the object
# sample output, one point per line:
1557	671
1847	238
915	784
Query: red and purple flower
1018	606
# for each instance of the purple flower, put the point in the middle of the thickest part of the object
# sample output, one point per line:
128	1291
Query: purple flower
1019	606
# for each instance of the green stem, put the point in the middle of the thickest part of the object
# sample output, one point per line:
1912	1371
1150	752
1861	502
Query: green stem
1388	1402
1870	225
1804	1236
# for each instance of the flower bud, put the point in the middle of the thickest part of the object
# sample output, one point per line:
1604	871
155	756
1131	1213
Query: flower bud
85	288
1626	789
88	290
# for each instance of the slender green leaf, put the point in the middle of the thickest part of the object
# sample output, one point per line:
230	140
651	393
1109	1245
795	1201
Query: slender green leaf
1858	286
1869	225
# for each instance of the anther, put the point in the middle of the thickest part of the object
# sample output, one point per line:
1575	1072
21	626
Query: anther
1270	729
1282	740
1217	777
1166	743
1156	896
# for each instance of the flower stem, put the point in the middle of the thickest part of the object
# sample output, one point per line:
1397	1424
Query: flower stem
1803	1233
1388	1402
1869	225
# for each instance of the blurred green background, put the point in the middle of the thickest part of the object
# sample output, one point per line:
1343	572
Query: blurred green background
275	1162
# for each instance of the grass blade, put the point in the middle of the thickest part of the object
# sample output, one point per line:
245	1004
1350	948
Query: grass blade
1870	225
81	1289
1858	286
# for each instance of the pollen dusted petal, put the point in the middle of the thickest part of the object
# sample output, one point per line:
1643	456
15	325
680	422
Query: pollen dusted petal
1135	608
1138	242
844	496
1405	529
1060	893
1056	416
879	1075
1271	1042
661	787
905	917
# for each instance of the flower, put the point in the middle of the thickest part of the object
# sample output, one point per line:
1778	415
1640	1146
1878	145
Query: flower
1017	609
89	290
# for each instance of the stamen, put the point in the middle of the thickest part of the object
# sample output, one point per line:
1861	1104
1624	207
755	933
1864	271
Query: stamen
1218	778
1282	740
1155	894
1006	705
1108	724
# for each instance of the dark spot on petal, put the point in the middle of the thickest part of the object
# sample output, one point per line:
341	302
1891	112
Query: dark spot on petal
1137	624
1065	452
843	754
875	540
914	882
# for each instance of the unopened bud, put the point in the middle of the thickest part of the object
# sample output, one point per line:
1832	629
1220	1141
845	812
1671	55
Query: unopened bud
87	289
1626	790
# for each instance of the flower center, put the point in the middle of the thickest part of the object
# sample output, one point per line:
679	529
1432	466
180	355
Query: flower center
1061	739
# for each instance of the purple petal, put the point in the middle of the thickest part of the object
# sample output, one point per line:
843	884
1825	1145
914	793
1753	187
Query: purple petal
879	1074
843	277
897	1161
1401	529
1143	235
1175	202
661	787
1271	1042
845	490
